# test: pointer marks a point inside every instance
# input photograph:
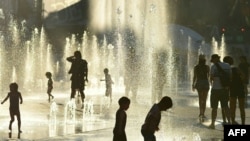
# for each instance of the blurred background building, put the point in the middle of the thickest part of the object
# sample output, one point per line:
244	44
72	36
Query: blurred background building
210	18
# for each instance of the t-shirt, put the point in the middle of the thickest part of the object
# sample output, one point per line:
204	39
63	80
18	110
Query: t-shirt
216	84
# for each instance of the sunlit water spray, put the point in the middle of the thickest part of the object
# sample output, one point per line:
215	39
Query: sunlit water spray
24	61
146	21
219	48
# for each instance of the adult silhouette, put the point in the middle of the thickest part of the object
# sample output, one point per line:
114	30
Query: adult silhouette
79	74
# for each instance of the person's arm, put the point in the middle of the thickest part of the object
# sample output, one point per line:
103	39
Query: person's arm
86	72
70	59
6	98
211	75
21	98
103	79
194	79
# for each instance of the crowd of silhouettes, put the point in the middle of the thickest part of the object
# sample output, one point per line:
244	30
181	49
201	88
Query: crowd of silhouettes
225	95
204	77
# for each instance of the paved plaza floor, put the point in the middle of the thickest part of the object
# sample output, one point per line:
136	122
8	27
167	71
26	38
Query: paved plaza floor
44	121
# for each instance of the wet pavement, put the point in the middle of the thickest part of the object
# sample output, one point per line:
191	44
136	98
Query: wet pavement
44	121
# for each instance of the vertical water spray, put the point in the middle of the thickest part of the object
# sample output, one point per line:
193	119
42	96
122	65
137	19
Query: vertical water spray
223	46
67	53
94	62
84	44
2	56
14	76
219	48
49	59
147	20
29	73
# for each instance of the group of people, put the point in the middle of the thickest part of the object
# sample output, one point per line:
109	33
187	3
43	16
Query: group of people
204	77
227	95
79	75
151	123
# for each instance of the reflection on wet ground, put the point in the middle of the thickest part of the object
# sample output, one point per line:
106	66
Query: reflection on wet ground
58	121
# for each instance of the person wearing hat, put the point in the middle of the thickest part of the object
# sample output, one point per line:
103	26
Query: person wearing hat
218	92
201	84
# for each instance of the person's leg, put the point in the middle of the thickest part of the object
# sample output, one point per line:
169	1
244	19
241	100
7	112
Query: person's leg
148	137
73	92
204	101
227	114
223	115
82	96
233	109
242	110
74	87
110	94
214	105
49	94
200	102
224	106
12	119
19	122
214	115
246	93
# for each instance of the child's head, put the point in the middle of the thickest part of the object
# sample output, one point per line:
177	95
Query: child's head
48	74
124	103
13	87
165	103
106	70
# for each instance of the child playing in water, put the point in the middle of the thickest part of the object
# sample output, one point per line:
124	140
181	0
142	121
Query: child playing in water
109	83
14	95
121	118
50	85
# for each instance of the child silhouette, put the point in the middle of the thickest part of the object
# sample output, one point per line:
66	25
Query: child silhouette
50	85
14	95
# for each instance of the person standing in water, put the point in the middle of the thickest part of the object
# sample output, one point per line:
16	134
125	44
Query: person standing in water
121	119
153	118
50	85
15	97
79	71
201	84
108	80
